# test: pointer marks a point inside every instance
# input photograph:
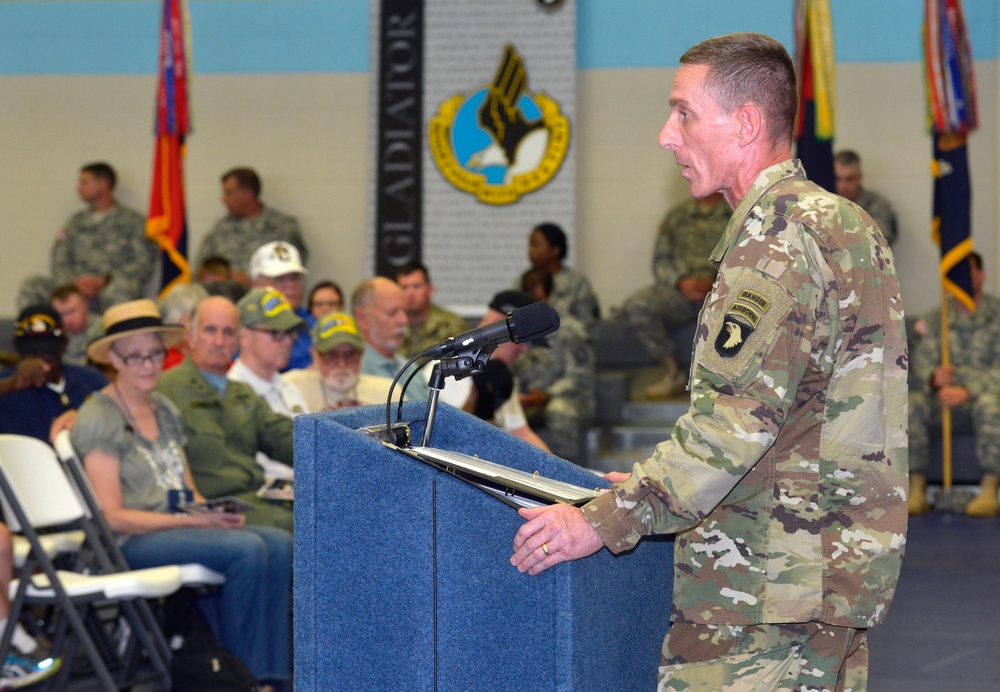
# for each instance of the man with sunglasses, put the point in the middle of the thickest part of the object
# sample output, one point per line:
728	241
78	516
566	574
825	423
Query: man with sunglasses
269	328
42	387
225	422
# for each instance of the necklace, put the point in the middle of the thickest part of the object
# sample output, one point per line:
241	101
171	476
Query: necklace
123	404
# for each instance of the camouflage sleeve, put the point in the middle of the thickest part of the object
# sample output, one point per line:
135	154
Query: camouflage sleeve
274	432
881	211
982	376
208	248
61	261
926	356
766	321
666	268
290	232
577	360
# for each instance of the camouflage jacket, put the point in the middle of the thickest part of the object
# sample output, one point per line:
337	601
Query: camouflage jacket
440	325
787	477
236	239
881	211
573	296
562	366
686	239
112	243
974	345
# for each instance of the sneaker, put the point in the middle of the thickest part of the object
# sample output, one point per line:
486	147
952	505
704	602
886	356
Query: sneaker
20	671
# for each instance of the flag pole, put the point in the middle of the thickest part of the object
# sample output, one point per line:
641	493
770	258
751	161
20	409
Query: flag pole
945	503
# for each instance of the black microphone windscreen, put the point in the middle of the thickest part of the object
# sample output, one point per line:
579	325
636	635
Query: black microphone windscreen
533	321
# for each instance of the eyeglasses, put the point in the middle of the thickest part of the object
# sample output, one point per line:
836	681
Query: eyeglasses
277	334
155	357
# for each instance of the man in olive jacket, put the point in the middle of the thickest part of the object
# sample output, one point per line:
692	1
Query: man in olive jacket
225	422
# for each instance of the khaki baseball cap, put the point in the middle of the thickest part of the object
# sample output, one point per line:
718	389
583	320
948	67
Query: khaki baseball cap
335	329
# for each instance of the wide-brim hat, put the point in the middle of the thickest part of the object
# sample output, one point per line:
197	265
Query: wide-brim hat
127	319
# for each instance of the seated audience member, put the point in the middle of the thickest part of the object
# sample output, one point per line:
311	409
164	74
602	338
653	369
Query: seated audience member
225	422
177	307
572	295
131	440
848	175
428	323
335	380
79	323
268	329
247	225
215	274
102	250
324	298
28	662
379	311
491	389
969	387
509	415
683	275
41	387
277	265
556	378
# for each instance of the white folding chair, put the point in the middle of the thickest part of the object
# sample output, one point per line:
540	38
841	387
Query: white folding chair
192	574
37	494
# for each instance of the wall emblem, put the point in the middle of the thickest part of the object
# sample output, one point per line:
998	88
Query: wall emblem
500	141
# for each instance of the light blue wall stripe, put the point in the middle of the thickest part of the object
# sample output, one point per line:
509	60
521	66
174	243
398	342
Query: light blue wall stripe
229	36
250	36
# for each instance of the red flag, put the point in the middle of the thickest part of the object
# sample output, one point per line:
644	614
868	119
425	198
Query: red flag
167	221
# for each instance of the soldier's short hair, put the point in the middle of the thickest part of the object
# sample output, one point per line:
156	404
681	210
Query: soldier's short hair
411	267
246	178
847	157
555	237
64	291
101	171
976	260
750	68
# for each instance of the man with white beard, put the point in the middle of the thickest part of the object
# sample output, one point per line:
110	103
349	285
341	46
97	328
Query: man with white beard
335	380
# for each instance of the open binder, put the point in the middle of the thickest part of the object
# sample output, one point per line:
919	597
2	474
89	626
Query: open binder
511	486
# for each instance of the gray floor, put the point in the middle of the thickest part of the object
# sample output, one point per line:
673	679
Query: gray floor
943	629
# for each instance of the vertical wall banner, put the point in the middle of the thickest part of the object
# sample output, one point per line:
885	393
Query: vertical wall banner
399	135
499	100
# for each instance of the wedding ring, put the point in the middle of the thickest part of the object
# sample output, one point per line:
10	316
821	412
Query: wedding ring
545	549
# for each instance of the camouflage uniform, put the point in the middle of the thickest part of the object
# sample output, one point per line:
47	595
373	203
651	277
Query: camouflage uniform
786	480
686	238
878	208
236	239
563	368
110	243
76	344
440	325
572	296
975	353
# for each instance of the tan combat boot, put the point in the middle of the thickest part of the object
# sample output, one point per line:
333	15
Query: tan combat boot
918	494
986	504
671	383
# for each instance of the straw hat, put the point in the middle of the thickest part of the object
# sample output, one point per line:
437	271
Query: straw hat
126	319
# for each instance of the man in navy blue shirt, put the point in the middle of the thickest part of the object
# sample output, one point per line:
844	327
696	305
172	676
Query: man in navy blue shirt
41	387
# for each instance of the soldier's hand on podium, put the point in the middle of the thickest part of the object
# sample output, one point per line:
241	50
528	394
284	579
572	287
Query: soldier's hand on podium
552	534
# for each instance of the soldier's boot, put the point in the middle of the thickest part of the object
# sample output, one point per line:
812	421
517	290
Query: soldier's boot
671	383
918	494
986	504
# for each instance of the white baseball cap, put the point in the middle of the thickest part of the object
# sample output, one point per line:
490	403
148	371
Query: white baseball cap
276	258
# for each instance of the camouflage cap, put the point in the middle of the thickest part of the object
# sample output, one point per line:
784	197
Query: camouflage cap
269	308
335	329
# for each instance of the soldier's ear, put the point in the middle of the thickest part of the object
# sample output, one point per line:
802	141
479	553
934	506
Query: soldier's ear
749	124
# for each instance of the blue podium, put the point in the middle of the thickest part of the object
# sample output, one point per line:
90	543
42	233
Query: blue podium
403	579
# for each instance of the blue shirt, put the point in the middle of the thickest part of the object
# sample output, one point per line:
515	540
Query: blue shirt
374	363
32	410
301	358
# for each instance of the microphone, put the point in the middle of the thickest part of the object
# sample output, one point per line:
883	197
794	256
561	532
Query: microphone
520	325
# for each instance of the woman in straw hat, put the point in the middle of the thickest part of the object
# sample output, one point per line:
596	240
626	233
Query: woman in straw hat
130	439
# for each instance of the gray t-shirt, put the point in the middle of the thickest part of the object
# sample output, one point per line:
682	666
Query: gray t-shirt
149	470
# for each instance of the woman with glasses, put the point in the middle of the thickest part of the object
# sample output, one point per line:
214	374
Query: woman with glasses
131	442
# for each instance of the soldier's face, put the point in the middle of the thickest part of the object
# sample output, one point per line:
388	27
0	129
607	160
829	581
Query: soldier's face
416	291
89	187
701	136
848	180
73	311
239	201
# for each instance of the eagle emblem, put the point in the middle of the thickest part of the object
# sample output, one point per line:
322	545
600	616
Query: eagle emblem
732	336
735	335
